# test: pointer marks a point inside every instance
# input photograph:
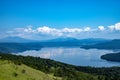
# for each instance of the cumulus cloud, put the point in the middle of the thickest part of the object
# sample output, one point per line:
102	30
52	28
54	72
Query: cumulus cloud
101	28
48	32
45	29
87	29
71	30
29	30
115	27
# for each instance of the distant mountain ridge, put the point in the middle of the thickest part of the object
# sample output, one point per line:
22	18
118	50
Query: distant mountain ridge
70	39
16	44
113	44
61	39
16	39
71	42
18	47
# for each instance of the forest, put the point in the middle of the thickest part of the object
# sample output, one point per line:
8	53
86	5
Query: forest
66	71
111	57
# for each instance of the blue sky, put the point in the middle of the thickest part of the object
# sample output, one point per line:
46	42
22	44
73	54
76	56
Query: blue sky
58	14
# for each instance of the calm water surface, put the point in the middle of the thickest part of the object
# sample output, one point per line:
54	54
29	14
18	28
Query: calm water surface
75	56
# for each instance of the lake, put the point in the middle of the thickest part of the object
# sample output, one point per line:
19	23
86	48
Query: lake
74	55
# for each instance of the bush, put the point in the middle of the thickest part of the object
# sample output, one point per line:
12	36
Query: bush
23	71
15	74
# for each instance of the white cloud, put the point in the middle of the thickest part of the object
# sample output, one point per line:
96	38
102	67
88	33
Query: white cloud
102	28
115	27
111	27
29	30
71	30
48	32
87	29
45	29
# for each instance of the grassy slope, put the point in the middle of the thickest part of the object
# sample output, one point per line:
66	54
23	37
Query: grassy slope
8	71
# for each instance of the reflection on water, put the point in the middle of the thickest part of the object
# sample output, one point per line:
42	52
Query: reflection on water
76	56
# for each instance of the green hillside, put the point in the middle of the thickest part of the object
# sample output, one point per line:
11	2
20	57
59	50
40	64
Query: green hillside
11	71
12	68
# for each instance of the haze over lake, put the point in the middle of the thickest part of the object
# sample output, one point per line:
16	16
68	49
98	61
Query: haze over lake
73	55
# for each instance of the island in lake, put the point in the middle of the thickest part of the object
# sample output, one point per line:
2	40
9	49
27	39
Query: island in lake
111	57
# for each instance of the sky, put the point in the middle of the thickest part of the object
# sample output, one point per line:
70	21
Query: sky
45	19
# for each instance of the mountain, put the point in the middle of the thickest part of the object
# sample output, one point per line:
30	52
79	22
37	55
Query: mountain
70	39
64	39
16	44
57	40
113	44
71	42
16	39
18	47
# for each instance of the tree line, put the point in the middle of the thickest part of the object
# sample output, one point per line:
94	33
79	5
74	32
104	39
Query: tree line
66	71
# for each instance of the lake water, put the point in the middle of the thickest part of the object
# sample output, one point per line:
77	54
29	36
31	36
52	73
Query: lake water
75	56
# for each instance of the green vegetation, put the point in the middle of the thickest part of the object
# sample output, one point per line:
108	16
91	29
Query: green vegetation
62	70
11	71
112	57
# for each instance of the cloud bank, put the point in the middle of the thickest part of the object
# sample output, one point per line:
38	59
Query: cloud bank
45	32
